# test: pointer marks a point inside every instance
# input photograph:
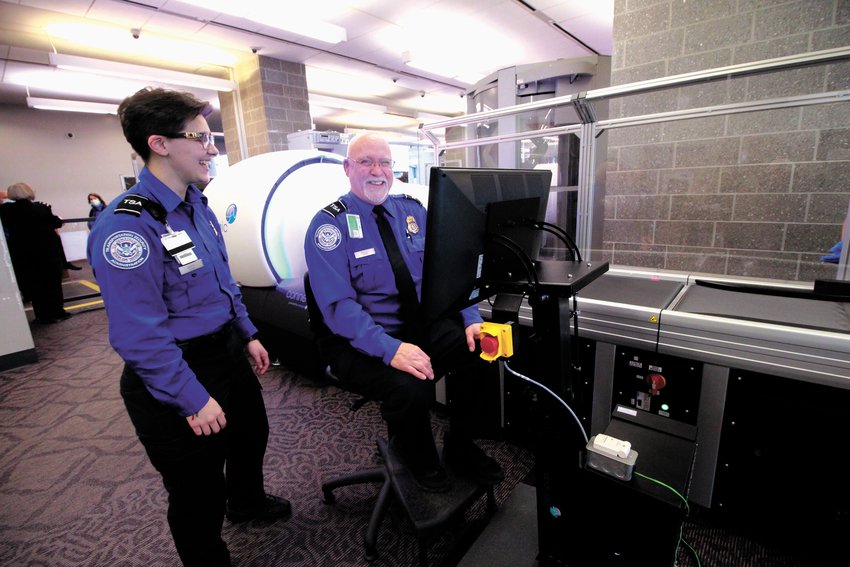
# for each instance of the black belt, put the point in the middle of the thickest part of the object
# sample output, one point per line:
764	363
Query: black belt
205	340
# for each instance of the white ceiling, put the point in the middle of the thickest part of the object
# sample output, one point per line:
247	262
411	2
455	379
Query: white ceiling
368	67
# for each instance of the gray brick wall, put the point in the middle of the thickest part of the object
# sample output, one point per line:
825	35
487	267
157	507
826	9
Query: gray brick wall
757	194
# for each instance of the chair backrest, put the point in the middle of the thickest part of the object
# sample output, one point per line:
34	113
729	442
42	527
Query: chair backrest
322	332
314	316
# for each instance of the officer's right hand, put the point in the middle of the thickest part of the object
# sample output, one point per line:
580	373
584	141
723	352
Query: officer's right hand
210	419
413	360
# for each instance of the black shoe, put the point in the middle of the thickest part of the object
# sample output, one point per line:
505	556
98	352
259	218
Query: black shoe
271	508
429	478
70	266
63	317
471	460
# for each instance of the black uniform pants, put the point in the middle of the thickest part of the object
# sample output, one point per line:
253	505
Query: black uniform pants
405	400
193	467
40	281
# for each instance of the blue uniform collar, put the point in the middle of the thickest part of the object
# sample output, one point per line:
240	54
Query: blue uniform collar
166	197
358	205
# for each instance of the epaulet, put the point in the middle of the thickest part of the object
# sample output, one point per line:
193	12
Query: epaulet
133	204
411	197
335	208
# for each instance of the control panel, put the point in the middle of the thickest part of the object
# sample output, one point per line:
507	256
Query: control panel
662	385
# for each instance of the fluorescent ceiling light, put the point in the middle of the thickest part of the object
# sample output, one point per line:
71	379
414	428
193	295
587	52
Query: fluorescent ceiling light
148	45
139	72
340	103
477	46
469	72
372	120
68	84
71	105
292	20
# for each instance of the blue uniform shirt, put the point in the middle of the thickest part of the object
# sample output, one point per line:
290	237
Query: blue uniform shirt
150	305
351	275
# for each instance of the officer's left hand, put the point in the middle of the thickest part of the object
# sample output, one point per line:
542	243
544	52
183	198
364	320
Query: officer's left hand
413	360
473	332
209	419
259	356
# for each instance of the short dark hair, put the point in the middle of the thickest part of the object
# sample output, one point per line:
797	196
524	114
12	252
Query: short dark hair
157	111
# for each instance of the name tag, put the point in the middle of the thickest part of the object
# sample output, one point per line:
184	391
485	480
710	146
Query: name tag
179	246
364	253
191	267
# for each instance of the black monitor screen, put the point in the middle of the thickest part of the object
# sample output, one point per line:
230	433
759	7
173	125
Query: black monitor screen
467	208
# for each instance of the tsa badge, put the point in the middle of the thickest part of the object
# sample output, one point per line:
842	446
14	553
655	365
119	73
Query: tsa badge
412	227
327	237
126	250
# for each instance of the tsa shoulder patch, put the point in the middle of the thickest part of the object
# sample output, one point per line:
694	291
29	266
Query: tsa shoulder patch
126	250
335	208
327	237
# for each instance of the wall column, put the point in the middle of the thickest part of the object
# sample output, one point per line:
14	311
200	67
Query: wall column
271	101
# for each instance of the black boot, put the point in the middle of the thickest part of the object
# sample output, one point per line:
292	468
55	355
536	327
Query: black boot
463	454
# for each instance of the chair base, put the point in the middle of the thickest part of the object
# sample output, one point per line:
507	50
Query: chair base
428	512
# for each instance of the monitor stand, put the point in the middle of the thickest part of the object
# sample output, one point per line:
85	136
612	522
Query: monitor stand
546	426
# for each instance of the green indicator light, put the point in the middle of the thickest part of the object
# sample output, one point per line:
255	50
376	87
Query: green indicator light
665	407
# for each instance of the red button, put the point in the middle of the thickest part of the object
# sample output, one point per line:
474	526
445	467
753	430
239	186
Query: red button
489	345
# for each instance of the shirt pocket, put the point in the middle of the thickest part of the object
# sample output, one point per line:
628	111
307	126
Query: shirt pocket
416	247
369	273
185	291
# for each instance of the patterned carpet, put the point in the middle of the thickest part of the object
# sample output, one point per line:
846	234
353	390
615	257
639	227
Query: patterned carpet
76	488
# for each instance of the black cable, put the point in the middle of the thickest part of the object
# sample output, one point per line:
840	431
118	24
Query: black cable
575	253
520	254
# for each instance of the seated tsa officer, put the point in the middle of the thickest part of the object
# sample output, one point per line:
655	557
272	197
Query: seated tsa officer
176	318
364	256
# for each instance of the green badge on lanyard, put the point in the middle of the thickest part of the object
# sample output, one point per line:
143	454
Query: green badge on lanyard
354	228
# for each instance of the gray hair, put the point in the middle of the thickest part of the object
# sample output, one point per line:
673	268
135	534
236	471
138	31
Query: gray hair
20	191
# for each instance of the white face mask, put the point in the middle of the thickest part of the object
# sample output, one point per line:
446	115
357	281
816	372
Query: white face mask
95	202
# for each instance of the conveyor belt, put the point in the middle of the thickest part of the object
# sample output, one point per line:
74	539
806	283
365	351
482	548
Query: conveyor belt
654	293
752	306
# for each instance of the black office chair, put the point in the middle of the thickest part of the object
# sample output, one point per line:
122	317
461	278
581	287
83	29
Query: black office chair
427	512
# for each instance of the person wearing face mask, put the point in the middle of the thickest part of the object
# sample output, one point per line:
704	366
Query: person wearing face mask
97	205
176	318
364	257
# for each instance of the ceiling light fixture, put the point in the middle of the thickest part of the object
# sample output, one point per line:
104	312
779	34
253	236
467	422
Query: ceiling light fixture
147	47
139	72
71	105
444	67
344	104
288	21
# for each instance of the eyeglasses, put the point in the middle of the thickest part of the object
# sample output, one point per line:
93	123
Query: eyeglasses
368	163
207	139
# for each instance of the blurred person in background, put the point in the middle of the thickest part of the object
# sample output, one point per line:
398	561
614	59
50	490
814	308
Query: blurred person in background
97	205
36	250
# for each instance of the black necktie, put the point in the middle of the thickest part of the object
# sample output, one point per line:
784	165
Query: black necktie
403	280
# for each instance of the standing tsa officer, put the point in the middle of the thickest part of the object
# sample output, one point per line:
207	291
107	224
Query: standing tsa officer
176	318
364	255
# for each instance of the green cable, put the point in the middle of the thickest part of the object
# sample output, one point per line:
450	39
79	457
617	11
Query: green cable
685	500
687	508
694	551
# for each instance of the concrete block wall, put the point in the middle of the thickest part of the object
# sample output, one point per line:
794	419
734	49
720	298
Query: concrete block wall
274	103
757	194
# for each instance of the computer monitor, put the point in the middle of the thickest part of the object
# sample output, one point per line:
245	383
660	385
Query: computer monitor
479	232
